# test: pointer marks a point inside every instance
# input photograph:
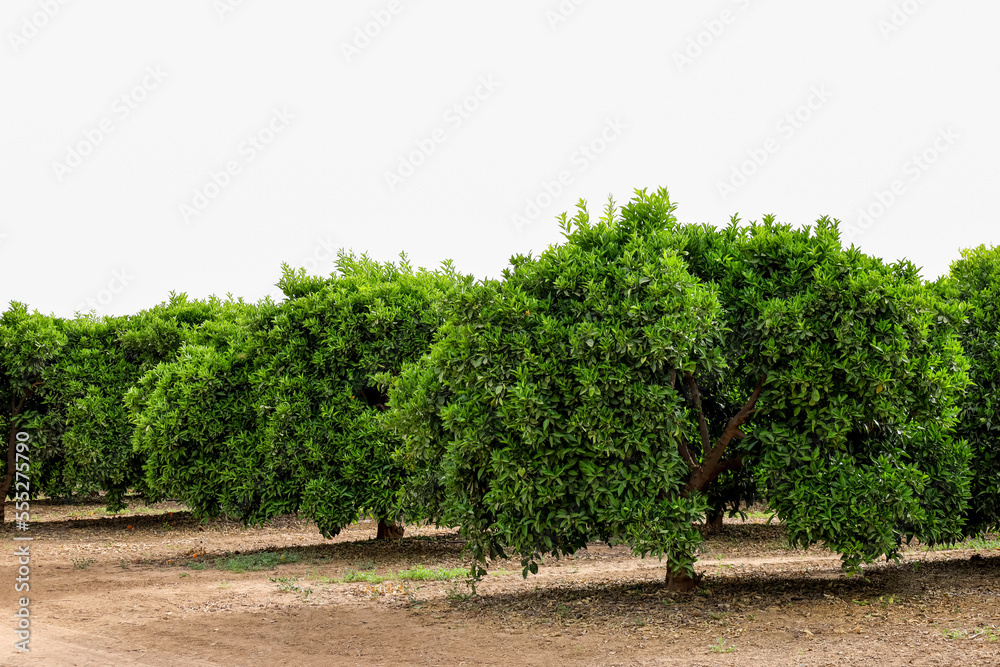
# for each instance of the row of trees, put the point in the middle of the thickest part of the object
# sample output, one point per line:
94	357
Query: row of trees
623	386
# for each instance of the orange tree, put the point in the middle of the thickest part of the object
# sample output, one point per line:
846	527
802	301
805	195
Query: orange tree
64	383
29	344
603	389
280	413
974	280
84	424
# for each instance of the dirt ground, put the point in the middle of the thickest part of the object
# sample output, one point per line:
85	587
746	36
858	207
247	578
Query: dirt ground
155	587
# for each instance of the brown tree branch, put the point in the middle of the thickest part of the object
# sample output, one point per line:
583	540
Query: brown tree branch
696	401
686	455
725	466
711	466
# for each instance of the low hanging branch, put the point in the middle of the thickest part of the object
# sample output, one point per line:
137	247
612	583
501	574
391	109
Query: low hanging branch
712	465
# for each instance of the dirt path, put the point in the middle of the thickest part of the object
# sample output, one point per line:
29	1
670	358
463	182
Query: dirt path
160	589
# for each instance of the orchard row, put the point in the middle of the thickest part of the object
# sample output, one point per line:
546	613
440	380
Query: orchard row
637	379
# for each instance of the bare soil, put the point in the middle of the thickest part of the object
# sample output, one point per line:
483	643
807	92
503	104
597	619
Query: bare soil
156	587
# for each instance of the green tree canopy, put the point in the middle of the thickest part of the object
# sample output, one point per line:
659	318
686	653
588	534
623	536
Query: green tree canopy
974	281
281	414
604	388
29	344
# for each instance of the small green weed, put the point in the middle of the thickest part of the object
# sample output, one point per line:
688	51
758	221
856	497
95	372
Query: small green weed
83	563
454	593
720	646
288	584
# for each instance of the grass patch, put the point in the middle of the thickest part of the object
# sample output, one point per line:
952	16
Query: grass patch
369	577
265	560
425	574
418	573
987	541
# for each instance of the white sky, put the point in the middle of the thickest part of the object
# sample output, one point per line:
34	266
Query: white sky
115	112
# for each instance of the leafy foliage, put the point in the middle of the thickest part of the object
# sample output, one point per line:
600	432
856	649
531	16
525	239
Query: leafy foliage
29	344
547	413
852	437
974	281
280	413
187	411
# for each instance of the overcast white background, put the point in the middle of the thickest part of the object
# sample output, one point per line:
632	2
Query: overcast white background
118	116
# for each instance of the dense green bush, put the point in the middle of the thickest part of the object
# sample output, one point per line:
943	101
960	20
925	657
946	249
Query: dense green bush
85	426
851	440
186	410
602	389
29	344
548	413
975	281
79	371
281	414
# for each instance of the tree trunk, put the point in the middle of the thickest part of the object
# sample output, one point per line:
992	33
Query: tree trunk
681	582
389	530
713	519
8	479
